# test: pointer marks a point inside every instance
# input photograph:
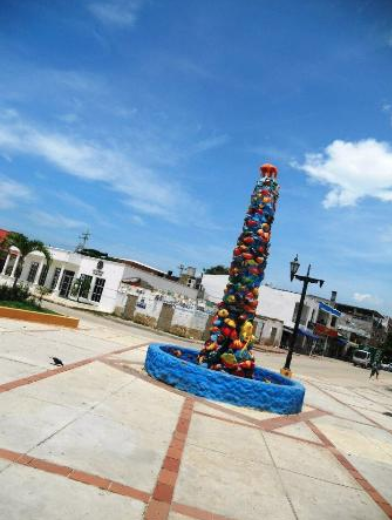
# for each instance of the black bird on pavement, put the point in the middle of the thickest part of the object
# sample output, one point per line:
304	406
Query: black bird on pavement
57	362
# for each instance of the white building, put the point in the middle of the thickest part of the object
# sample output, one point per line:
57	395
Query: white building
276	305
273	303
97	283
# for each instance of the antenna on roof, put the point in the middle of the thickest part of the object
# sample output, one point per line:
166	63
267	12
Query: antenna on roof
83	239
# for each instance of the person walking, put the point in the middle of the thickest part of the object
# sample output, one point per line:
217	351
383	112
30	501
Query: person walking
375	369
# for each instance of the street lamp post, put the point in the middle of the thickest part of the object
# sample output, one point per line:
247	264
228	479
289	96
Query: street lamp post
306	280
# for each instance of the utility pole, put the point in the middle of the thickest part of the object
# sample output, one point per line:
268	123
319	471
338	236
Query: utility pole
83	239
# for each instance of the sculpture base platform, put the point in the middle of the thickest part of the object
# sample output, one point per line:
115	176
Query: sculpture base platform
268	390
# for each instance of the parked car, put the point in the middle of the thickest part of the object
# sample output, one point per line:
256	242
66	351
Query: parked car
386	366
363	358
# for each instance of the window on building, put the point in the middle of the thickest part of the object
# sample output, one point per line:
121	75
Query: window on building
44	274
333	322
10	265
85	284
33	272
98	289
304	314
274	332
55	278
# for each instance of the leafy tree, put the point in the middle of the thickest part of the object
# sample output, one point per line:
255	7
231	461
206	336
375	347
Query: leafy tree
216	269
42	291
95	253
81	286
25	246
387	345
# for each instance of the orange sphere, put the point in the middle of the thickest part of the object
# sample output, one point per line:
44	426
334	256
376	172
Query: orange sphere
269	170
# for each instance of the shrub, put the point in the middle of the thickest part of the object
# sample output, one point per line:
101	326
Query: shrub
142	319
178	330
18	293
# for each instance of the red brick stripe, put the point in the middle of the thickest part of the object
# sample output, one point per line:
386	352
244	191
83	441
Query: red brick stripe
74	474
227	420
160	503
196	513
6	387
365	484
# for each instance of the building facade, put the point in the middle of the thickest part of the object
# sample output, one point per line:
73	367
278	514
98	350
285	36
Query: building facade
317	323
86	281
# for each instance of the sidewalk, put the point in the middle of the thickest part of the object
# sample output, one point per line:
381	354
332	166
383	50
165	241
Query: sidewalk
100	439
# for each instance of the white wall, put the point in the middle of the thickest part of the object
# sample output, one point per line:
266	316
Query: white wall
147	304
160	283
273	303
190	318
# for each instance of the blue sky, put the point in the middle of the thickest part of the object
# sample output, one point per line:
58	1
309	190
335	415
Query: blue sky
145	122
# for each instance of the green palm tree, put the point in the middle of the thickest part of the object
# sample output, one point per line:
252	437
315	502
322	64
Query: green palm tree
25	246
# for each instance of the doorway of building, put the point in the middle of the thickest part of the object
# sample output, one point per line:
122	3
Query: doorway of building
66	283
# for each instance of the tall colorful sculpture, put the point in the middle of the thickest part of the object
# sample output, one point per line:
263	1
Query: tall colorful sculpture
229	346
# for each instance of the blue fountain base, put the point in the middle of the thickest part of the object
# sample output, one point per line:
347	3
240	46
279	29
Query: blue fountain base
266	391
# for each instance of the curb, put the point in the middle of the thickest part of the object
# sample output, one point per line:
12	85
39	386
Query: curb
39	317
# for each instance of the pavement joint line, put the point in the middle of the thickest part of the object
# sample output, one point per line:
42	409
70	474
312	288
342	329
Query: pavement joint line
350	407
370	425
13	360
6	387
293	437
162	496
355	474
74	474
279	476
79	416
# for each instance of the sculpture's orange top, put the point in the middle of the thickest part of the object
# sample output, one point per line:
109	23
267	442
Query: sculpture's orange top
269	170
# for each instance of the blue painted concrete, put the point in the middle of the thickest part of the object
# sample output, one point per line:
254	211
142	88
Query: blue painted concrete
281	395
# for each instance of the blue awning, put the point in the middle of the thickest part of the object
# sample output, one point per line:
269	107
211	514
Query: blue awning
326	308
308	333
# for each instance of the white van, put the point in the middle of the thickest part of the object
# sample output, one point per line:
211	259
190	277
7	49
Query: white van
362	358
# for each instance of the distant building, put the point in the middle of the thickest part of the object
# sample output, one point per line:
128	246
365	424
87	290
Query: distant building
361	325
93	282
318	318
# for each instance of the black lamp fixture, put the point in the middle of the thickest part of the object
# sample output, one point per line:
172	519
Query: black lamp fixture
294	266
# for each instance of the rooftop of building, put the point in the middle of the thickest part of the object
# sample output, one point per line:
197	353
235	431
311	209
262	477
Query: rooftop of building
360	312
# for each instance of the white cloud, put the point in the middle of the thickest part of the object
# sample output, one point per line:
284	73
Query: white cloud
12	193
137	220
366	297
55	220
385	235
143	189
209	144
69	118
352	171
359	297
121	13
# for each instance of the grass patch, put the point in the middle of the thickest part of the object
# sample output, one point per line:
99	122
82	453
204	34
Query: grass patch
26	306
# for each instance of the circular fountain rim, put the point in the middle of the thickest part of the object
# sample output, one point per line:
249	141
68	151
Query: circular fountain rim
284	396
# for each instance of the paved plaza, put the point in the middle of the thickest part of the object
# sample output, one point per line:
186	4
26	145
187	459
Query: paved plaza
100	439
